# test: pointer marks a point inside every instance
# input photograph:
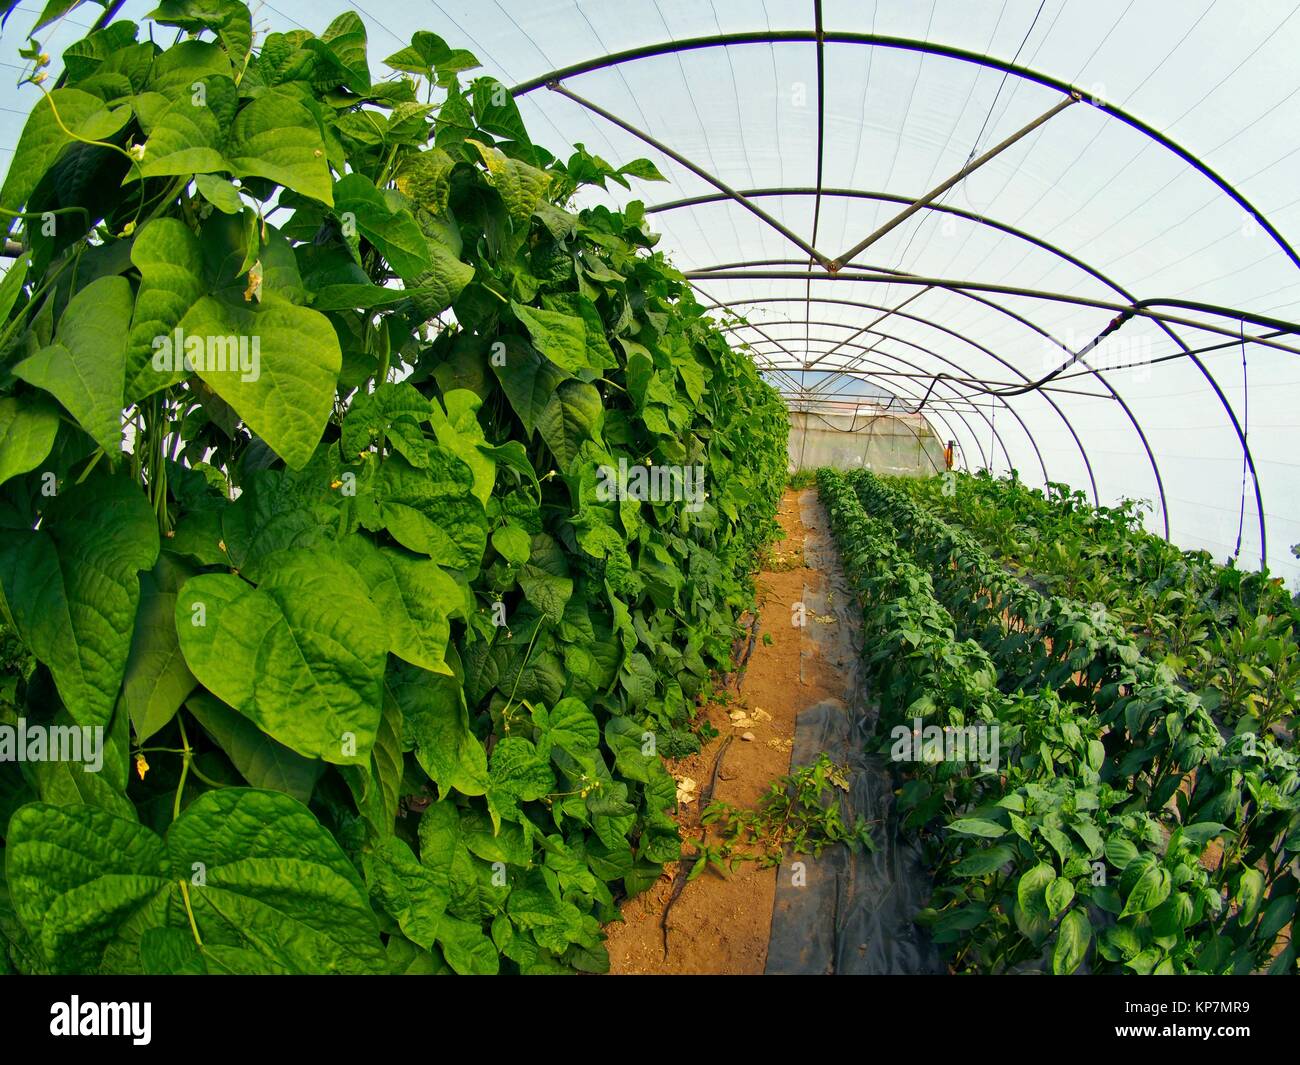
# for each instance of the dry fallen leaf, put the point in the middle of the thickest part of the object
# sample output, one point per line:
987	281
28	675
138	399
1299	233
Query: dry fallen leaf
747	736
685	790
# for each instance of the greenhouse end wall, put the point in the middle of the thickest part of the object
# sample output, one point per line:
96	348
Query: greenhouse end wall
896	445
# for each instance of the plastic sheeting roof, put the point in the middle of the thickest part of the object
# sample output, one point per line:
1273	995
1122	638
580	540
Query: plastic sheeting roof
1170	185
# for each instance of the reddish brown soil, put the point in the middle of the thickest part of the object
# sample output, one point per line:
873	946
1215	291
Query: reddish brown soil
718	925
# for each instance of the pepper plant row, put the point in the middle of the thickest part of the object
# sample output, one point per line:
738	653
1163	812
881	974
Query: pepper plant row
1160	741
384	647
1230	633
1051	855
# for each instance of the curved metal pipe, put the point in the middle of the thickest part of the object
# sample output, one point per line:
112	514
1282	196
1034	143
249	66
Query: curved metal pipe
934	354
1083	451
821	37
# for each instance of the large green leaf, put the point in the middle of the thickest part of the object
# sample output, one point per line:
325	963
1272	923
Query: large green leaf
467	949
459	431
95	776
1031	890
528	380
570	726
167	254
288	395
628	741
983	862
429	53
1149	891
177	68
435	718
1250	892
572	415
372	414
343	46
250	875
278	510
261	761
72	588
562	338
384	220
27	430
496	111
435	289
376	788
46	134
85	367
431	511
308	636
229	19
545	578
518	773
415	597
1072	939
521	186
414	895
276	137
977	826
157	680
188	135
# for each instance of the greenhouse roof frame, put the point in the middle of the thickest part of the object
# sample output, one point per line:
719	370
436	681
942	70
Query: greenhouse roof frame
834	269
1094	156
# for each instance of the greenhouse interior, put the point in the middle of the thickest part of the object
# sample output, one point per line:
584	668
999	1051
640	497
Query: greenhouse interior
646	488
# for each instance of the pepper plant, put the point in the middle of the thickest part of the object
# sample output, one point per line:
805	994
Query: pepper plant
1118	831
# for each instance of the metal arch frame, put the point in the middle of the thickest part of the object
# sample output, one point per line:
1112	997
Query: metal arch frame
1034	327
910	428
953	410
907	44
1083	451
820	37
936	378
1058	252
970	288
730	193
893	393
848	370
956	395
1141	309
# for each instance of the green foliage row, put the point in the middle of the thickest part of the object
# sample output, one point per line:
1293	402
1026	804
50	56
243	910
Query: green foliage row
1073	850
1230	633
383	672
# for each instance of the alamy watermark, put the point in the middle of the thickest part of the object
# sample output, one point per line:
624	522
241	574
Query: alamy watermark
77	1018
53	743
947	743
178	353
1131	352
652	484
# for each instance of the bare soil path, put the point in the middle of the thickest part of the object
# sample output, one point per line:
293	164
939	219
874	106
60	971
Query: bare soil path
719	925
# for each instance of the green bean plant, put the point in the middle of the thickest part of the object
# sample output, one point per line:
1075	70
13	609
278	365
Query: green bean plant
317	393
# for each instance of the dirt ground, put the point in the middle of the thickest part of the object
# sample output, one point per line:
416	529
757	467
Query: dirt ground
717	925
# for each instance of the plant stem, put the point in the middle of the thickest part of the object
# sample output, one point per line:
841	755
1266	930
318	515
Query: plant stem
187	756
